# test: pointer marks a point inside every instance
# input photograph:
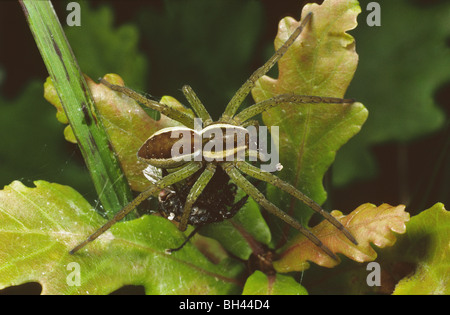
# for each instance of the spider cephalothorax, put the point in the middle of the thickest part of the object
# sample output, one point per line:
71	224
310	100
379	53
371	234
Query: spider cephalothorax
189	150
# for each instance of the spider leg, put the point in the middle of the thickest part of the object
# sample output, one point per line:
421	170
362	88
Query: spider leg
245	89
169	111
170	179
195	191
197	105
253	192
262	106
277	182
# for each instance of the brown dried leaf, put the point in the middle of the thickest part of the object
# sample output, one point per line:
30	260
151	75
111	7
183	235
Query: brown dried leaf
367	223
127	124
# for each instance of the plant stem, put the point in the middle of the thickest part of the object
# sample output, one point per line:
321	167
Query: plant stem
106	173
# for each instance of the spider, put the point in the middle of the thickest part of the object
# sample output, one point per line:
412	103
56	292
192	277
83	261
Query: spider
159	148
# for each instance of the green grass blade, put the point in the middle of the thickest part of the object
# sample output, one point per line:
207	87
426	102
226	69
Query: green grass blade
105	170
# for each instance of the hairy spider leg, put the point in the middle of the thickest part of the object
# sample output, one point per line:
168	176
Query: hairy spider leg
277	182
236	207
169	111
253	192
282	99
185	172
245	89
195	192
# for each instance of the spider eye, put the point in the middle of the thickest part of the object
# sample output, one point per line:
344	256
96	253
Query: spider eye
169	147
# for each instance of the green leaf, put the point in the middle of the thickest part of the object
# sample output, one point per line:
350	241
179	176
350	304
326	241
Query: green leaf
260	284
397	79
427	246
321	62
367	223
40	225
